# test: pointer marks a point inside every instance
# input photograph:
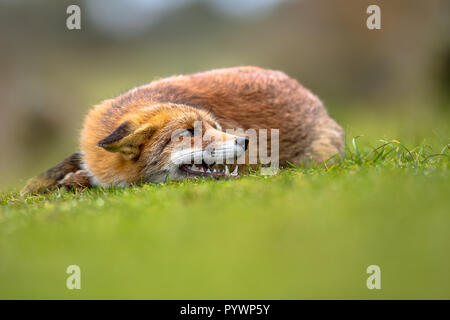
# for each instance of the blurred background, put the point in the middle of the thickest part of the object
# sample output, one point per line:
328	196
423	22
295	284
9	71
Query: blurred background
394	81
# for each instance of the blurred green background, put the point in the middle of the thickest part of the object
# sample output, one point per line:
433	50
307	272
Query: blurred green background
369	79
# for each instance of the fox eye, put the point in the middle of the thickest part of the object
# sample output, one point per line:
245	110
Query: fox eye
186	133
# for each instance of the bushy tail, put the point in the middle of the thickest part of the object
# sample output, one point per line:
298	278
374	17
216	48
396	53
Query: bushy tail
328	143
56	176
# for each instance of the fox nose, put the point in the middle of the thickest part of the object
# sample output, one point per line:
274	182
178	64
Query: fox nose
243	142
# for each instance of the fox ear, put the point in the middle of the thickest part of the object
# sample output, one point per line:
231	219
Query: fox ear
127	139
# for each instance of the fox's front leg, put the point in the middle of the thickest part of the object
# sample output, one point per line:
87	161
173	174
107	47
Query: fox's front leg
78	180
53	177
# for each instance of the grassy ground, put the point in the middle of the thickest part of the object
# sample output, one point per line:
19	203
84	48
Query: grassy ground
305	233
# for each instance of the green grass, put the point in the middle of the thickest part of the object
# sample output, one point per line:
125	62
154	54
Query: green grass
304	233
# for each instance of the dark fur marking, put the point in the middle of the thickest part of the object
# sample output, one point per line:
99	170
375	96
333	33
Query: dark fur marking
69	164
118	134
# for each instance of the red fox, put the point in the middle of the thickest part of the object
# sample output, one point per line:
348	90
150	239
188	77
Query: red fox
130	139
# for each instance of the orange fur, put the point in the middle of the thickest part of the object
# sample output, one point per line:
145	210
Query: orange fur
125	140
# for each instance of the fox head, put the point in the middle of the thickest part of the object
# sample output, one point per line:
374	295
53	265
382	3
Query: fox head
159	143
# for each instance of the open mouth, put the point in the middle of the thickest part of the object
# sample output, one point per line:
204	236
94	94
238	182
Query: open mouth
212	171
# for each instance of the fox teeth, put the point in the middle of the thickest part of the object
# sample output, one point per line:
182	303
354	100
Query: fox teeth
235	172
195	168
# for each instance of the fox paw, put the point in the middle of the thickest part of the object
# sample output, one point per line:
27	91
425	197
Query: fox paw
75	180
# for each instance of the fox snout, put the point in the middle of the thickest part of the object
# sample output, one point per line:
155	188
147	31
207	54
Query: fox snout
216	147
225	152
